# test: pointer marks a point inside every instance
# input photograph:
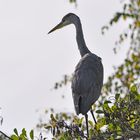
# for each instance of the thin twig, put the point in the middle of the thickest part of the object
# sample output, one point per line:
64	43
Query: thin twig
6	135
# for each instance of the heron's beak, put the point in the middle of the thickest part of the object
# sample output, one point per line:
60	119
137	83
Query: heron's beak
59	26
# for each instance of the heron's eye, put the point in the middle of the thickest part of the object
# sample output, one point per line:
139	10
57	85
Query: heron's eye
63	20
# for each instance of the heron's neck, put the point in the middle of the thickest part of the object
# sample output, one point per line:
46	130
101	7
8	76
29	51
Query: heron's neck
80	39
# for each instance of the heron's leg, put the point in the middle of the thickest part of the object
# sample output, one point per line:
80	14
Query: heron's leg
93	115
86	117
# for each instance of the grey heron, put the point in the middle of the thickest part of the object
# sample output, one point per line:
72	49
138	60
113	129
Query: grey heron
88	75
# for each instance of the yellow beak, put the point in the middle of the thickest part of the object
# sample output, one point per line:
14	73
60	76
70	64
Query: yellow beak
59	26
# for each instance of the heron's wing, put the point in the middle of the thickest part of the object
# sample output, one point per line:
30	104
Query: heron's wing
87	82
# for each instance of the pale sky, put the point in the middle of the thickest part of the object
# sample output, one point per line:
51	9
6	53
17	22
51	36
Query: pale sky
31	61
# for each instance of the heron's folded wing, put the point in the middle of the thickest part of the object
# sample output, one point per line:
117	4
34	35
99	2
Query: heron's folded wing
86	84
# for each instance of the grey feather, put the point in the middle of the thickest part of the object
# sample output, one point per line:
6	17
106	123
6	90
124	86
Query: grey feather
87	82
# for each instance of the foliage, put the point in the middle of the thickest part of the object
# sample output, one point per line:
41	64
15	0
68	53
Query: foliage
121	119
66	79
131	15
23	135
18	136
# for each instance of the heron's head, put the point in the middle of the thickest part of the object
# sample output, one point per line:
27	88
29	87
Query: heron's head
66	20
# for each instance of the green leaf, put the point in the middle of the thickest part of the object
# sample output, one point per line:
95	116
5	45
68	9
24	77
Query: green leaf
116	18
117	96
111	138
138	97
22	137
114	107
99	111
32	134
48	127
133	88
14	137
91	123
111	127
81	120
53	118
24	132
107	101
15	131
101	122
